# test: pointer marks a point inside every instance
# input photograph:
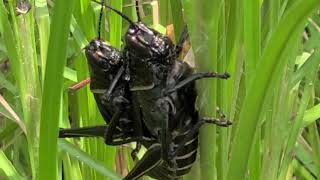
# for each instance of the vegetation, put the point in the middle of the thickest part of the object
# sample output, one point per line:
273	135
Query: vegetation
270	48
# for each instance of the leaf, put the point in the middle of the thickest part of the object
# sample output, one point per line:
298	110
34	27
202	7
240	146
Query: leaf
9	113
84	157
7	168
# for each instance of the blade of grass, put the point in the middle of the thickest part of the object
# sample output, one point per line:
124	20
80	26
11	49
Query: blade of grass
163	7
203	21
116	25
222	98
11	46
270	19
314	139
4	83
71	167
177	18
83	29
43	22
297	126
8	168
70	74
251	14
301	172
305	155
312	61
311	115
249	115
13	115
7	131
20	44
87	159
52	88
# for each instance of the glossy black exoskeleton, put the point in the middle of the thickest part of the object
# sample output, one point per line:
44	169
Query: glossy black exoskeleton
113	98
163	97
164	89
159	101
104	64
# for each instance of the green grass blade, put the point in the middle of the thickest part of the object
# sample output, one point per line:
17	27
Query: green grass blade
312	61
52	88
177	18
251	34
19	39
7	131
297	126
4	83
75	152
301	171
164	12
305	155
12	49
9	112
251	110
70	74
314	139
208	42
311	115
43	22
116	25
7	167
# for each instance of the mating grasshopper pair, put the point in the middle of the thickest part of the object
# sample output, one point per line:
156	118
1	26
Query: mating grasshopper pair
146	95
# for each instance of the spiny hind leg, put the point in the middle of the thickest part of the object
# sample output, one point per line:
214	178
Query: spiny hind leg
89	131
221	121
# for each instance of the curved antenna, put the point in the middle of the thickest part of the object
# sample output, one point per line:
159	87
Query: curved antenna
116	11
100	20
137	10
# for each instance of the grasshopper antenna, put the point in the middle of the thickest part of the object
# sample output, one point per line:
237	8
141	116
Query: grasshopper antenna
100	20
116	11
137	10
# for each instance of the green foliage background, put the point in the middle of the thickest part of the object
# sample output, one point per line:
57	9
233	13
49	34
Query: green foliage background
270	48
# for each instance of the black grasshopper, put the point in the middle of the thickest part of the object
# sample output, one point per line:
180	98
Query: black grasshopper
104	63
163	97
112	97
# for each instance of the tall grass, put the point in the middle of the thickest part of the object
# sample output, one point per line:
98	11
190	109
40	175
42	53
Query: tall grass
259	43
52	88
272	96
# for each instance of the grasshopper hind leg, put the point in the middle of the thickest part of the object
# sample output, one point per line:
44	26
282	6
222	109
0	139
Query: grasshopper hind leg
149	160
90	131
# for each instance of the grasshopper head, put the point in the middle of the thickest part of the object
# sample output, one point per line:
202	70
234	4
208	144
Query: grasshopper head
145	42
103	56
